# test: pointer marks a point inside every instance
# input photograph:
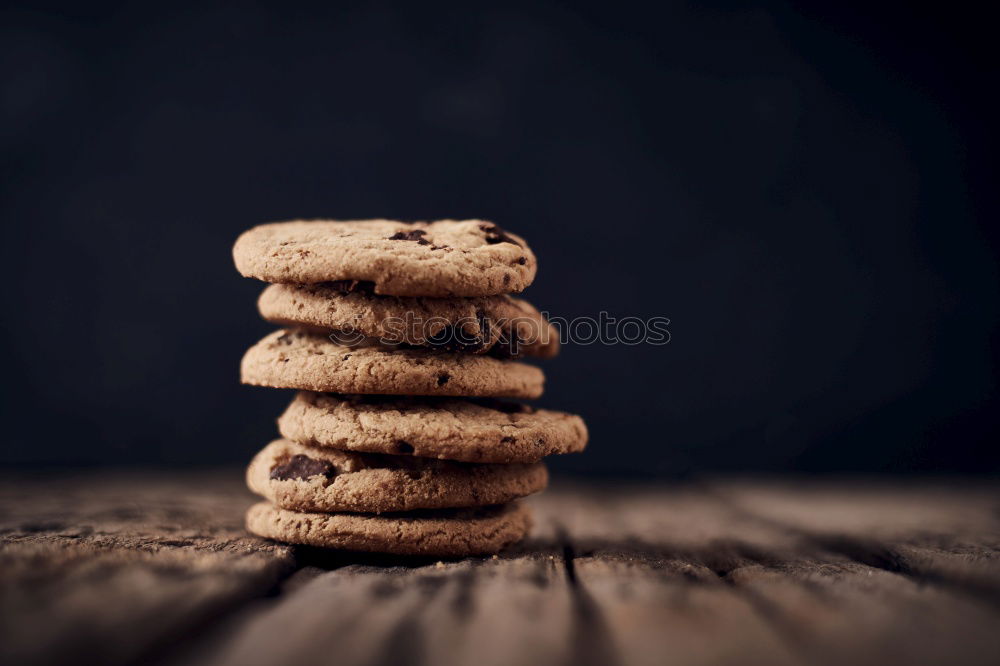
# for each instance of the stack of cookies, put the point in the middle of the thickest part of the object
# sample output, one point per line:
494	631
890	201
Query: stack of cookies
401	339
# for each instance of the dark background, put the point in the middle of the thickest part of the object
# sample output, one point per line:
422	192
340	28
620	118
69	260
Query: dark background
806	190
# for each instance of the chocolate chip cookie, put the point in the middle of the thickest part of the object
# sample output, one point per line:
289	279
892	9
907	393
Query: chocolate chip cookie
307	360
443	258
504	325
301	478
481	431
438	533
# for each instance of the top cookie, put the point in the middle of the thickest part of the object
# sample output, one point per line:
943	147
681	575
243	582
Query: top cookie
443	258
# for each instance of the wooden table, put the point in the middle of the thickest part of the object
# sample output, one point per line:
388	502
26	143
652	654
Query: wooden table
155	568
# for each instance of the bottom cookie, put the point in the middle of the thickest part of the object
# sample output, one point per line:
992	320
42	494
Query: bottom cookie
441	533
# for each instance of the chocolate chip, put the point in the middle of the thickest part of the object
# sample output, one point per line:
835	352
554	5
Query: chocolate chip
346	356
522	261
506	279
285	338
415	235
495	234
404	447
443	378
302	466
507	440
350	286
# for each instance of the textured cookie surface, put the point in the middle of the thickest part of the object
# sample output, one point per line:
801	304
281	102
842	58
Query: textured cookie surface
441	533
444	258
311	361
303	478
468	430
504	324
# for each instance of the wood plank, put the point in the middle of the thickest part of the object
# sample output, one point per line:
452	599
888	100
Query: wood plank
844	612
111	568
130	567
650	563
512	609
526	607
692	578
939	532
917	576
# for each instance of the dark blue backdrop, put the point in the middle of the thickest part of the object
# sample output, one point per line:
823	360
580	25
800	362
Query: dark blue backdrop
806	191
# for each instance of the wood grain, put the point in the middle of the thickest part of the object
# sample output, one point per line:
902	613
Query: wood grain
132	567
118	566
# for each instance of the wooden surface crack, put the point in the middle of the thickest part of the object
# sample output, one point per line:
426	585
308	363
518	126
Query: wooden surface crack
935	569
591	641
